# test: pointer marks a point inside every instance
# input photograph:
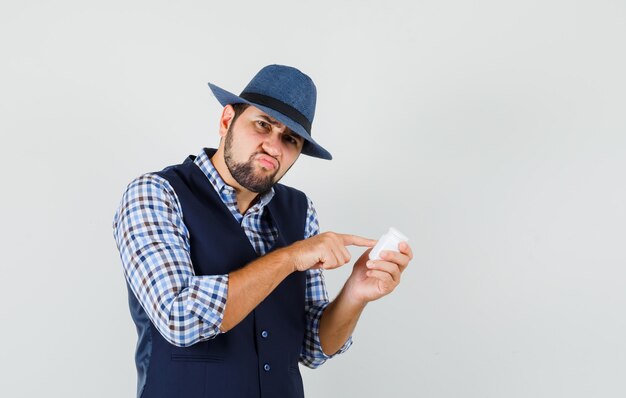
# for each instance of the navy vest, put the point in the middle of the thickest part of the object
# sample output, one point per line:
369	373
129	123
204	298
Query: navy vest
259	356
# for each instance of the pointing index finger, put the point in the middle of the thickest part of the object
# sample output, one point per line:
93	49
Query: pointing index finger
355	240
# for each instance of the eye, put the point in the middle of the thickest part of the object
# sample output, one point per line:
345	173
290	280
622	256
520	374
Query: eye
263	125
290	139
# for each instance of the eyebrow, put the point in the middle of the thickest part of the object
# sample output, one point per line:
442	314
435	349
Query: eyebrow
270	120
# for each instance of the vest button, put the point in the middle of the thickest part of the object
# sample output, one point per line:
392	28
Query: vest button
266	367
264	334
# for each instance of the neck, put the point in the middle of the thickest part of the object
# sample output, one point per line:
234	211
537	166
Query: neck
245	197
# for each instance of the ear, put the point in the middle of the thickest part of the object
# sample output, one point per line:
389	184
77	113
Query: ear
227	116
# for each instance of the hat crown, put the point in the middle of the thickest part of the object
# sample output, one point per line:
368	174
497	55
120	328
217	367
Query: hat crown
288	85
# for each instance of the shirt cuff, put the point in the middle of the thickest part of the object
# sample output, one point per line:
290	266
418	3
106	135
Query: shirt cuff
207	301
313	355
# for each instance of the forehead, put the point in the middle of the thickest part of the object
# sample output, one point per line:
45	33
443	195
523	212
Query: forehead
253	111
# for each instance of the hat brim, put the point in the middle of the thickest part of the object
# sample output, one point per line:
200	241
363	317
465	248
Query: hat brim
310	147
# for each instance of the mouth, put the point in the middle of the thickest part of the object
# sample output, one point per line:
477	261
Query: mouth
267	162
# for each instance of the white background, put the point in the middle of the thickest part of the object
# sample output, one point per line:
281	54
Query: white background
492	133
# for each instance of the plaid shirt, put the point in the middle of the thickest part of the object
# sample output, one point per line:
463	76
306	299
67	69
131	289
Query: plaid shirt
154	247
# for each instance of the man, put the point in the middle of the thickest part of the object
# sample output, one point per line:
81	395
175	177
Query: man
224	266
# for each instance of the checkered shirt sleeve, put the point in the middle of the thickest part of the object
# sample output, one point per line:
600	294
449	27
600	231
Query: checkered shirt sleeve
316	302
154	247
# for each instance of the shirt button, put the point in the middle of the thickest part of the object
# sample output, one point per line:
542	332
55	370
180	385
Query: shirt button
266	367
264	334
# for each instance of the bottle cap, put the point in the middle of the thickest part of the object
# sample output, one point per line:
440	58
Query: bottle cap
398	234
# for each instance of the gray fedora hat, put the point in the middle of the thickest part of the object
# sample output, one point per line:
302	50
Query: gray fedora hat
287	95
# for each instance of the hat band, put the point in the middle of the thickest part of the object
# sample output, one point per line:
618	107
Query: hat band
279	106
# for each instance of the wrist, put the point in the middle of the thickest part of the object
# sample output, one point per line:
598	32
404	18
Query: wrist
350	300
284	259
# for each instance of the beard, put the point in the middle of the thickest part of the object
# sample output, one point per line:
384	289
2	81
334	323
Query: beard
245	173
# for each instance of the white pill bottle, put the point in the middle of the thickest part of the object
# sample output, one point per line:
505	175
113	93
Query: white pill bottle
388	241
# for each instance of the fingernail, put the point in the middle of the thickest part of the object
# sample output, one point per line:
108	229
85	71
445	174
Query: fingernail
369	264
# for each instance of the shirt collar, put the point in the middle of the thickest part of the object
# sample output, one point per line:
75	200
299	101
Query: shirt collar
203	161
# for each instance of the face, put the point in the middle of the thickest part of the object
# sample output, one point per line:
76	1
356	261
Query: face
258	150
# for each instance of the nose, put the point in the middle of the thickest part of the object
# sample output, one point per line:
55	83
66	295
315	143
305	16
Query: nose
271	144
